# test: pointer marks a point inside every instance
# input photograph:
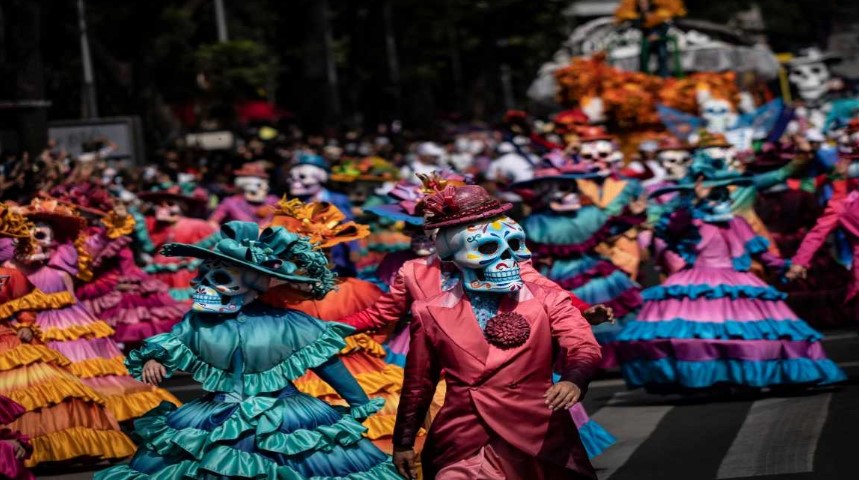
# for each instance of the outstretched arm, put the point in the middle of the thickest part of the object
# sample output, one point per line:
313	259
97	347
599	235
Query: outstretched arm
817	236
387	309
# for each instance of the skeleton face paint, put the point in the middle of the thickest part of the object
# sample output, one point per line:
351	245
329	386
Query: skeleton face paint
811	80
675	162
306	180
255	189
718	114
487	254
561	195
168	211
43	234
222	288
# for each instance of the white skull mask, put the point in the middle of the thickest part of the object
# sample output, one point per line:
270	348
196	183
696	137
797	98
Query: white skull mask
719	115
255	189
810	79
487	254
597	150
168	212
675	162
726	154
561	196
43	234
306	180
223	288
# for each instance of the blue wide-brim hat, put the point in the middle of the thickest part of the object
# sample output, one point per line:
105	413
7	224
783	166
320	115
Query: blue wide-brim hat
313	159
272	252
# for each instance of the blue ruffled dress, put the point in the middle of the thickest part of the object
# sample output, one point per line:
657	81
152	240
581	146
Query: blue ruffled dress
253	422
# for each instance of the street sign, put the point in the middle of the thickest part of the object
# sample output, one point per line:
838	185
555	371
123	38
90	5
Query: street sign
125	132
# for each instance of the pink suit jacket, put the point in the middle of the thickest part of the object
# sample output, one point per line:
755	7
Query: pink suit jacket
419	279
840	212
494	392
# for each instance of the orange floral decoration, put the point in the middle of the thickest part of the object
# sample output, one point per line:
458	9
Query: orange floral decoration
662	11
322	222
14	225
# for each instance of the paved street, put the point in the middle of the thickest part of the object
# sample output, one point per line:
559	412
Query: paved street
779	436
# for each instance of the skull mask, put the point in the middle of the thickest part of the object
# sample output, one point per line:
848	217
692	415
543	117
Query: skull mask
255	189
675	162
601	152
306	180
561	195
168	211
726	154
810	79
43	234
719	115
224	288
487	254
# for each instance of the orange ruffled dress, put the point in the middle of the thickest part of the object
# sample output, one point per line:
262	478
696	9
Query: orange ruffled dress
85	340
64	418
363	356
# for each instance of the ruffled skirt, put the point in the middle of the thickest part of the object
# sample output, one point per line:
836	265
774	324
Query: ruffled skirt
292	436
708	326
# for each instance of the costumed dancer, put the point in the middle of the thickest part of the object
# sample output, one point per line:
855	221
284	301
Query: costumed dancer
564	230
168	222
424	277
253	422
60	255
64	419
713	322
253	203
15	447
493	335
363	356
133	303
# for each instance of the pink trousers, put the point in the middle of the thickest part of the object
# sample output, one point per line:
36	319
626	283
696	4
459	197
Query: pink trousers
498	460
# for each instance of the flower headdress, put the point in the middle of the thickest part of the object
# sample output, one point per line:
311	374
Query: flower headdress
65	221
322	222
14	225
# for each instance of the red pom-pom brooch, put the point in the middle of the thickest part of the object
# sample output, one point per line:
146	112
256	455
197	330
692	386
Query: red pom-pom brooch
507	330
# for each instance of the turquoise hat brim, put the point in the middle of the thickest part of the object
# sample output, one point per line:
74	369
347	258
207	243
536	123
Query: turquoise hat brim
185	250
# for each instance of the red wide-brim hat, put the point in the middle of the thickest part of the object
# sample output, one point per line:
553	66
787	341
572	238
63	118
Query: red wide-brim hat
460	206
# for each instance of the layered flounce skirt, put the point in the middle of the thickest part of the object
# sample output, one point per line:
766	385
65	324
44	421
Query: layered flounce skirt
708	326
136	308
63	418
97	361
290	436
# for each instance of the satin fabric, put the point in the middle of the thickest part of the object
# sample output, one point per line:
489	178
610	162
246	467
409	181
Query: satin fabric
492	391
498	460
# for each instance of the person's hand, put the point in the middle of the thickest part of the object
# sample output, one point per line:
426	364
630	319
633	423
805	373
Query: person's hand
17	448
404	460
153	372
599	314
796	272
562	395
639	205
25	334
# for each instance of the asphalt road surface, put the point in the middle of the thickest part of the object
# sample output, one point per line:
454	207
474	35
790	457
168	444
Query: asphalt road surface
772	436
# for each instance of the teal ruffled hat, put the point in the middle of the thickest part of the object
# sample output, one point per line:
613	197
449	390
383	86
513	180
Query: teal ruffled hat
714	172
273	251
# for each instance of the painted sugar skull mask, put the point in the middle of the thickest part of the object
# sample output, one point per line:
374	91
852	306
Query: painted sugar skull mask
255	189
168	211
220	287
561	195
675	162
306	180
487	254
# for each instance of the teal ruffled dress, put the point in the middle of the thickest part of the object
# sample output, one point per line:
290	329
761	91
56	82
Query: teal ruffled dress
253	422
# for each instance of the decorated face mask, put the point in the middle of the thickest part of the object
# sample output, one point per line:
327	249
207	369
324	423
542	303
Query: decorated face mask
168	212
43	236
487	254
811	80
716	207
306	180
255	189
675	162
562	196
221	288
719	115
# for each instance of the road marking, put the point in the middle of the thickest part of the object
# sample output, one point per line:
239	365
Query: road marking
840	336
848	364
630	418
778	437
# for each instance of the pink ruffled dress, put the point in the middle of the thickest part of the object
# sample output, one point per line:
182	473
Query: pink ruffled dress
134	303
11	467
86	341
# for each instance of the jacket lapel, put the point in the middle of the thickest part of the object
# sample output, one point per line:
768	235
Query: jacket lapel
520	304
454	316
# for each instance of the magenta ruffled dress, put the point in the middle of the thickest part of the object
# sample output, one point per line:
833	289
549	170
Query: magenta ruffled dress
134	303
11	467
86	341
713	322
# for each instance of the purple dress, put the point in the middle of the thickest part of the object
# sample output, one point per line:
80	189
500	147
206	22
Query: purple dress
714	322
86	341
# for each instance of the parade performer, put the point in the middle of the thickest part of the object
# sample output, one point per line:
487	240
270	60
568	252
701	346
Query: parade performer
64	419
253	203
133	303
564	230
253	422
169	222
15	447
363	356
492	334
713	322
60	255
